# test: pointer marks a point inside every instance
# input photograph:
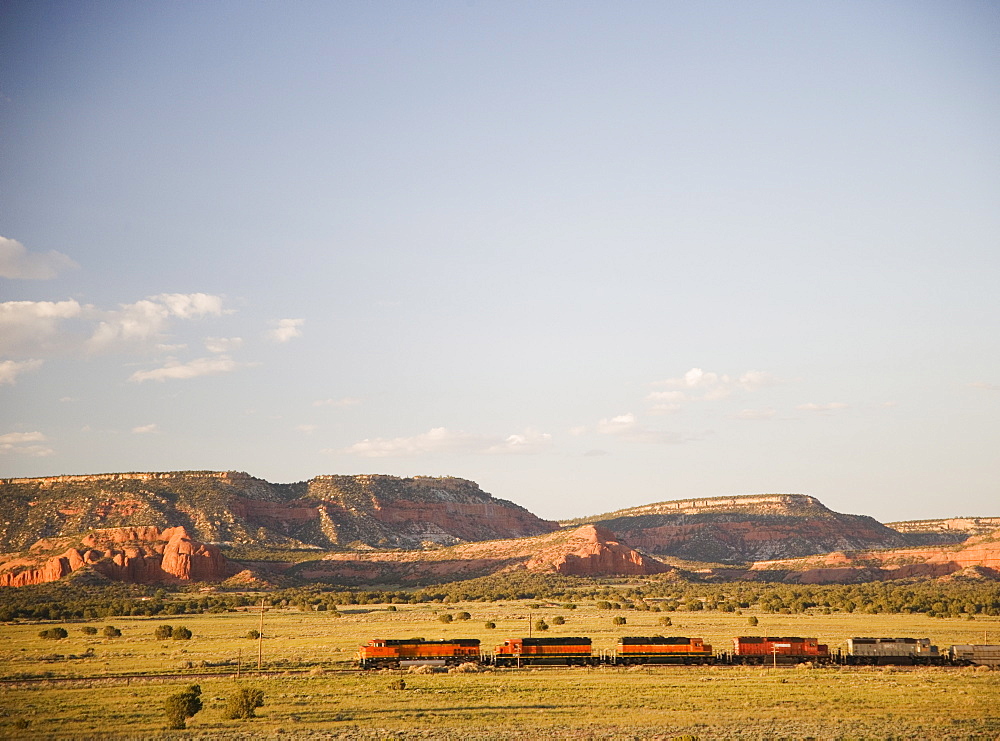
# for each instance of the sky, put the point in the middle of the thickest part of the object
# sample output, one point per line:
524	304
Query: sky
590	255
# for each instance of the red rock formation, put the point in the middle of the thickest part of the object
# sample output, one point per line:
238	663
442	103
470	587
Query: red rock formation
587	550
323	512
595	552
745	528
141	555
981	552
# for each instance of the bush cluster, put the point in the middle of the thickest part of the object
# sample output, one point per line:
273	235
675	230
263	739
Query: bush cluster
183	705
243	703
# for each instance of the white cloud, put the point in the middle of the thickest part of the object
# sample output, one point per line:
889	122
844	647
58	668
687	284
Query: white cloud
443	440
17	262
23	443
528	442
145	429
985	386
627	426
286	329
18	438
617	425
756	414
175	370
223	344
307	429
190	305
833	406
700	385
32	324
147	319
347	401
11	369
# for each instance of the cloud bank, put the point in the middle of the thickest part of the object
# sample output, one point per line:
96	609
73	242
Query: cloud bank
442	440
17	262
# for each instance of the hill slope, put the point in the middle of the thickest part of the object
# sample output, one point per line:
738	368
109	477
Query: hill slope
980	554
326	512
583	551
740	529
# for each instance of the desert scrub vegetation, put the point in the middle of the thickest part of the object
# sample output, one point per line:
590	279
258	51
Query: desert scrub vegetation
243	703
75	601
178	708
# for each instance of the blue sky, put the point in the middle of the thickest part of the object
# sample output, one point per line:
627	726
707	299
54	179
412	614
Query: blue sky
589	255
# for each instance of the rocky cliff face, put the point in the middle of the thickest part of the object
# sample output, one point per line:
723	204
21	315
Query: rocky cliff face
235	508
583	551
141	555
944	531
743	529
979	553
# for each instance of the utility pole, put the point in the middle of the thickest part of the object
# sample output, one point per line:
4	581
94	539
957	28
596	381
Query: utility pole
774	650
260	637
529	625
239	662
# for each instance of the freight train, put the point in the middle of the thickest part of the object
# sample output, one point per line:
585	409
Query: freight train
677	650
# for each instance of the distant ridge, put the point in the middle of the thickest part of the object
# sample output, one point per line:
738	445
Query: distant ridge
750	503
334	512
744	528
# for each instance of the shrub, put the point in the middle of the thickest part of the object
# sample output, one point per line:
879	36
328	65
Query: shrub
181	634
397	684
446	618
182	706
463	616
618	620
163	631
753	620
253	635
490	626
89	630
54	634
603	605
243	703
111	631
558	620
665	620
541	625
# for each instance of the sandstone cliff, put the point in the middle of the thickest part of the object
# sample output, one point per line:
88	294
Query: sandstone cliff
741	529
944	531
142	555
327	512
583	551
979	554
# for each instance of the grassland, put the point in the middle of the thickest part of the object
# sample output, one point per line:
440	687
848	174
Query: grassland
307	696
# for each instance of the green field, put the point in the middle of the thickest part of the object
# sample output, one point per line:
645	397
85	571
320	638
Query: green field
306	694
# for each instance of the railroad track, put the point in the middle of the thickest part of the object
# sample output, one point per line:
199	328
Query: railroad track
129	678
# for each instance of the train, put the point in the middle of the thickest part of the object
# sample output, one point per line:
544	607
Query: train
384	653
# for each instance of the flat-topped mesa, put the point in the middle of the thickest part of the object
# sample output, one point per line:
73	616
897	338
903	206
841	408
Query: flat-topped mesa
397	512
96	478
234	508
756	503
968	525
738	529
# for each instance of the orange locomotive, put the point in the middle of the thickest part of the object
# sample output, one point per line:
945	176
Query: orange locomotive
757	650
382	653
549	651
660	650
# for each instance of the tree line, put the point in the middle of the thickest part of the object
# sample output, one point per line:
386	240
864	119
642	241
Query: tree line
67	601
